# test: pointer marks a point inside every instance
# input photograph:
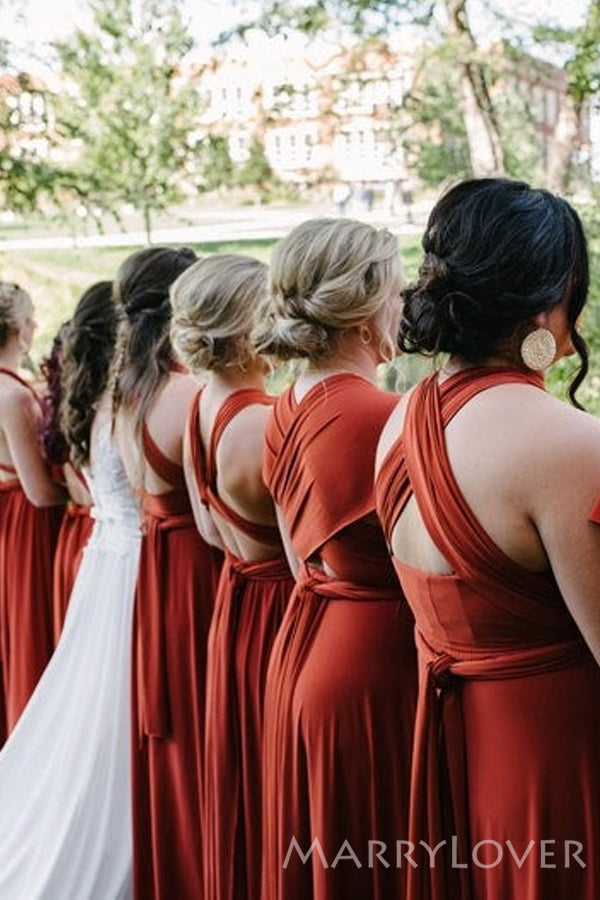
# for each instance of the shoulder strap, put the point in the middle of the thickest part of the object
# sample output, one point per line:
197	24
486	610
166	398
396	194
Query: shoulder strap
451	523
169	471
235	403
11	374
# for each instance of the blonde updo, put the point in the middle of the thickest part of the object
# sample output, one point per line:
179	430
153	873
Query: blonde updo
327	275
15	307
217	303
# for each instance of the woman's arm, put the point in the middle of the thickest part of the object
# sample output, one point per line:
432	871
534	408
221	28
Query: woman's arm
20	426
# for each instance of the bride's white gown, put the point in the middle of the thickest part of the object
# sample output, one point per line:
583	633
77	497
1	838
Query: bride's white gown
65	805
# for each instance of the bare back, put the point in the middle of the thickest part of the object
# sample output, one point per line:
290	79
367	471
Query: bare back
239	480
528	466
166	425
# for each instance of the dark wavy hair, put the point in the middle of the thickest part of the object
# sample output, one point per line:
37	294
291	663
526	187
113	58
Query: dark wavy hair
88	349
144	354
497	253
54	442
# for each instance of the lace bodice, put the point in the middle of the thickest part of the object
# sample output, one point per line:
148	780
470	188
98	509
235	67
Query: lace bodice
115	503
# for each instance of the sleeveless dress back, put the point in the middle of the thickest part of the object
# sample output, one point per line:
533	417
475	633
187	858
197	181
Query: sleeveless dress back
250	603
341	686
65	795
173	608
28	537
507	747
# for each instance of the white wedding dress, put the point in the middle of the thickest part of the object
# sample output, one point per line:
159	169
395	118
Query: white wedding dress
65	800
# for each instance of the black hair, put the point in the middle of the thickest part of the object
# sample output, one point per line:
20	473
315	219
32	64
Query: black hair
497	253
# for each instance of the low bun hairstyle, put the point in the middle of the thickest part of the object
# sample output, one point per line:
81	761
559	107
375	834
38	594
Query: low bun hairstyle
87	352
15	304
497	253
327	275
144	355
217	303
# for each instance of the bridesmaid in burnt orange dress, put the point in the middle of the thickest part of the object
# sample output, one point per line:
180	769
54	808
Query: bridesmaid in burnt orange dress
484	489
176	584
341	685
30	513
217	303
76	374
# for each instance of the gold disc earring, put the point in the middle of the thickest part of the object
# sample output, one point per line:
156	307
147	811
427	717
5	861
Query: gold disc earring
538	350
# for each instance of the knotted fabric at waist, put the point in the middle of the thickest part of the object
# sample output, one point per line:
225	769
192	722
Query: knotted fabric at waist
75	510
12	484
312	580
438	785
273	569
172	505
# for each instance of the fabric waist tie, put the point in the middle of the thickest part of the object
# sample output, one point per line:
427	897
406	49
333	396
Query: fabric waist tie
438	806
162	514
317	583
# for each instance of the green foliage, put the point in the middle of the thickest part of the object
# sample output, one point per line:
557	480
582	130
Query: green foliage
216	167
257	171
435	141
131	110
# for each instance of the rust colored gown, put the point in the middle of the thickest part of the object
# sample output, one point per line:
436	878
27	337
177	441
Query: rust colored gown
75	531
251	600
507	745
173	606
341	686
28	536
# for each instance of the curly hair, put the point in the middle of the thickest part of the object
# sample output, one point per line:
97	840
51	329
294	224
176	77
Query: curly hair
144	355
54	442
497	253
88	349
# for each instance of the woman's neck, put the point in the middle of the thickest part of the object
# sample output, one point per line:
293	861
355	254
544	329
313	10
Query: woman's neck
238	378
456	364
358	362
10	357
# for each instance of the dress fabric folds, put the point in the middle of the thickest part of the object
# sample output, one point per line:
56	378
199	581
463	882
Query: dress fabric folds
341	685
65	807
28	537
174	602
75	532
250	603
507	746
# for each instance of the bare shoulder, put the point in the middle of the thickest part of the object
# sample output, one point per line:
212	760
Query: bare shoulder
181	387
392	429
16	401
241	448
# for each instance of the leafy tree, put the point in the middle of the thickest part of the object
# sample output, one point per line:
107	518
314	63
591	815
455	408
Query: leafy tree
376	18
130	110
216	166
256	171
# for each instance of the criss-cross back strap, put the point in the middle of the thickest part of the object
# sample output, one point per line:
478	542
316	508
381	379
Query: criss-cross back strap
204	462
418	465
166	468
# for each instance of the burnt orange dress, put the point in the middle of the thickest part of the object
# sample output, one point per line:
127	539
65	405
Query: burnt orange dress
28	536
507	747
173	607
75	531
341	685
251	600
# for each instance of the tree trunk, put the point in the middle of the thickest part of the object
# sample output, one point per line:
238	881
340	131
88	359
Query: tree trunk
483	136
563	144
148	224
